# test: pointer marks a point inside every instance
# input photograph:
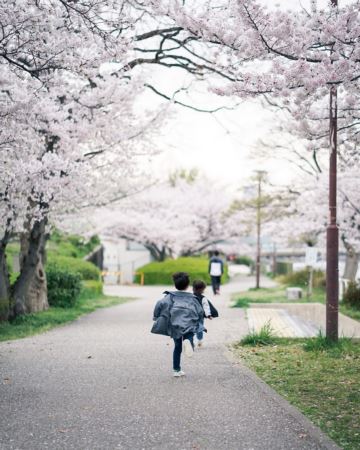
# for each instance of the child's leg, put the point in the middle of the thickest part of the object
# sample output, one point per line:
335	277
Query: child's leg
188	344
177	354
190	337
200	334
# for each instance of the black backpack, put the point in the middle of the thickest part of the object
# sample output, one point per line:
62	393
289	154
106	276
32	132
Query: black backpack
213	311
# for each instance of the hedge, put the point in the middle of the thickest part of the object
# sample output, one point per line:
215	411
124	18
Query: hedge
301	278
160	272
244	260
63	286
85	269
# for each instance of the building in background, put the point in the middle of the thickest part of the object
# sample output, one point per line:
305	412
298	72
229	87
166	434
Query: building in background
122	258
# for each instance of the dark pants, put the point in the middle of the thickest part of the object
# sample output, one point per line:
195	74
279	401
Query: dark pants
178	349
215	283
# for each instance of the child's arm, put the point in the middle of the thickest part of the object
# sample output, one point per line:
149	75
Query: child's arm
158	308
206	307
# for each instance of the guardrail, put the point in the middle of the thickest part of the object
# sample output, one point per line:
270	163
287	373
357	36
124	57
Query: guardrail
142	277
105	273
118	273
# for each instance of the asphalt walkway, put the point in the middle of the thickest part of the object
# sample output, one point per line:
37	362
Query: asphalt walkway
104	382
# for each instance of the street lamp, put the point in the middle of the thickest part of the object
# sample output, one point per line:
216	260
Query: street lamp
260	176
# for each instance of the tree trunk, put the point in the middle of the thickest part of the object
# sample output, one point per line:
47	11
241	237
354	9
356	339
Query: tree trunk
351	263
4	281
156	253
30	290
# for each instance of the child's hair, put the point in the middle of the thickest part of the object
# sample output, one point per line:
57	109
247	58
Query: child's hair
199	285
216	253
181	280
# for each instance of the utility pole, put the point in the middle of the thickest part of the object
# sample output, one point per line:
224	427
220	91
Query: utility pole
260	174
332	232
274	259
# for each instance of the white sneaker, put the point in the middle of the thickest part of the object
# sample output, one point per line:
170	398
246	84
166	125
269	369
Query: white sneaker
178	373
188	348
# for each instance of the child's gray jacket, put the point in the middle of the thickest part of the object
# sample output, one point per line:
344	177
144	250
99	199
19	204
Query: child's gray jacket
178	313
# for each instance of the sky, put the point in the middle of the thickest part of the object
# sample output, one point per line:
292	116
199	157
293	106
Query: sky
221	145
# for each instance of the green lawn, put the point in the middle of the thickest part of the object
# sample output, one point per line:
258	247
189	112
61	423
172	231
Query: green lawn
324	383
31	324
278	295
273	295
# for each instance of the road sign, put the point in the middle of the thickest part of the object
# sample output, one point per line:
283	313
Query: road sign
311	254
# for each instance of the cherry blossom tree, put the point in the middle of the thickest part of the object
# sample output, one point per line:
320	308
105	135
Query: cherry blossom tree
170	219
65	82
306	216
78	133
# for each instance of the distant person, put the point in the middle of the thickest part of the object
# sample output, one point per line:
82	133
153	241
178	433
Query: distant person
179	315
198	289
216	269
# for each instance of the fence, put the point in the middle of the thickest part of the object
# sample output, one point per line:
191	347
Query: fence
118	274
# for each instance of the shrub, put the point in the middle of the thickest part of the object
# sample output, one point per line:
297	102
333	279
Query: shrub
265	336
160	272
85	269
301	277
319	279
283	268
64	287
91	289
352	295
244	260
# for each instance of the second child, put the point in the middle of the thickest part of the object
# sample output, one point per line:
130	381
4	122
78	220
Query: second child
198	289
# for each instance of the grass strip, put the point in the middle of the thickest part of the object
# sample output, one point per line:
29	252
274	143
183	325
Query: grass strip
272	295
278	295
28	325
321	379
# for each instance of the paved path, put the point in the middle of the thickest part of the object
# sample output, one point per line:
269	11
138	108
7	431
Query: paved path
104	382
298	319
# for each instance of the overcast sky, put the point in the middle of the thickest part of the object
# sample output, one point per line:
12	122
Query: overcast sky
221	145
